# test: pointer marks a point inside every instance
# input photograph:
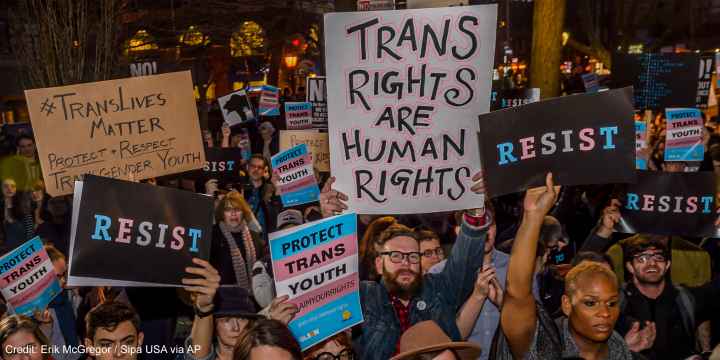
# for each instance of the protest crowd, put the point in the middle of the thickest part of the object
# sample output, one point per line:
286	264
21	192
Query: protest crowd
598	268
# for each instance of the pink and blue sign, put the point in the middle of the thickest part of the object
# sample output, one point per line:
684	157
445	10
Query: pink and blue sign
27	278
684	139
317	266
296	177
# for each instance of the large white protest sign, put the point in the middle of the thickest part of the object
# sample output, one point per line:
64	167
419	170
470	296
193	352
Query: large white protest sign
404	92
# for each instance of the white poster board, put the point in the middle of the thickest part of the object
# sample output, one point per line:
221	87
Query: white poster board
405	89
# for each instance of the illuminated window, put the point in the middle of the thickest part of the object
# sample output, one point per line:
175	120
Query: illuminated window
141	41
193	37
249	40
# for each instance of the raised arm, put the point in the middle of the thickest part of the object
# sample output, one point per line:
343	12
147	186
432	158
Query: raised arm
203	290
518	318
599	237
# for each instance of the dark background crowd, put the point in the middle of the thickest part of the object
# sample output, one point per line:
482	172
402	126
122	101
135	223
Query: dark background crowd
667	285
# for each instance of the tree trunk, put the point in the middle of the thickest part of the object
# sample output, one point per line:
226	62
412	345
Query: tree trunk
548	19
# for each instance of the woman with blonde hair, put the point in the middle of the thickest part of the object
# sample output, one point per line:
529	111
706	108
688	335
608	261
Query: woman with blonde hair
235	247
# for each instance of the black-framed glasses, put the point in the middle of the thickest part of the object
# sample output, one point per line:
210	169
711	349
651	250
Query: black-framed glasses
644	258
346	354
438	251
398	256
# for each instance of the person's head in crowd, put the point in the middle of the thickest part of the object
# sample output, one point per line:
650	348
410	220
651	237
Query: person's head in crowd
59	263
234	313
22	338
369	243
58	207
591	302
208	138
338	347
554	241
267	130
398	261
234	211
26	146
430	248
427	341
258	168
115	327
646	259
289	218
267	339
592	256
9	188
37	191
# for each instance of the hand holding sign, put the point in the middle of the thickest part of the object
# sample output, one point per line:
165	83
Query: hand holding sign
203	288
611	216
539	200
282	310
332	202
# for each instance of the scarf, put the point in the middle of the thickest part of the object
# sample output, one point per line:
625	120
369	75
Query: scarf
242	267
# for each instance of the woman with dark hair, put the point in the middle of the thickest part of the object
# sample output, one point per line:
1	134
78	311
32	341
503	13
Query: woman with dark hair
268	339
21	335
17	215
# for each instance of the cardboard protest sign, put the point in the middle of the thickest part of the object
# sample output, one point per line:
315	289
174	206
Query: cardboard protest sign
269	101
223	164
121	230
582	139
139	127
591	82
659	80
317	143
502	99
684	138
640	144
704	82
663	203
298	115
317	95
28	281
402	103
236	108
296	177
317	266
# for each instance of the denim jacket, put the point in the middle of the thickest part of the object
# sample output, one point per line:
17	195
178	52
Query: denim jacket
441	296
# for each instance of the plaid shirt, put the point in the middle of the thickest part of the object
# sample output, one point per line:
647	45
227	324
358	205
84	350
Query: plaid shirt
403	314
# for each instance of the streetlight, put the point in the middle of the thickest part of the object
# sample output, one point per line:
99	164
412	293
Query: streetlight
291	61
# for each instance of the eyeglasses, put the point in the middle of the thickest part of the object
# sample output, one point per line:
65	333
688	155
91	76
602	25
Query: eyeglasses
346	354
438	251
233	210
397	257
643	258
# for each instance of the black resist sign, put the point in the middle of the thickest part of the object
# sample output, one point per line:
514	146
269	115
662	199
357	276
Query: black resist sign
670	204
222	163
123	230
582	139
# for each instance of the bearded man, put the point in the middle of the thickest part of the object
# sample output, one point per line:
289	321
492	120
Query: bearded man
405	297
